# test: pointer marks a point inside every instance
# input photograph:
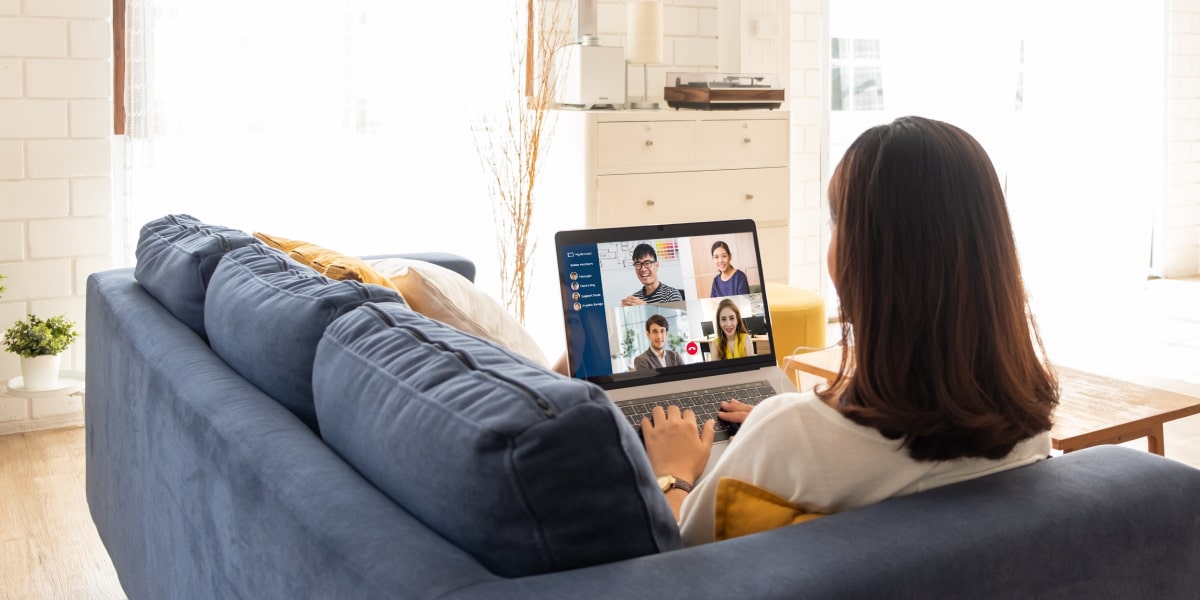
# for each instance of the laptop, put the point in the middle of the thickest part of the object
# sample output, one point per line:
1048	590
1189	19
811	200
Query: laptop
613	325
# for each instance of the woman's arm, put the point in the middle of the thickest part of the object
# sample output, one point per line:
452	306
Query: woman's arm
674	448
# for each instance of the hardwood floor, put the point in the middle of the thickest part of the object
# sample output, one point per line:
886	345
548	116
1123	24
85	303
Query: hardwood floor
49	547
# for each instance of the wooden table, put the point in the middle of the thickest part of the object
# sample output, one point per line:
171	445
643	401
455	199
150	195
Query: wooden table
1092	409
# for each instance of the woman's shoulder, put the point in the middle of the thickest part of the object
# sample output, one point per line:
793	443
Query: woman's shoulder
807	410
787	403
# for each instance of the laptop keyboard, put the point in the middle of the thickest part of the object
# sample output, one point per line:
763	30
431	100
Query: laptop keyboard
704	402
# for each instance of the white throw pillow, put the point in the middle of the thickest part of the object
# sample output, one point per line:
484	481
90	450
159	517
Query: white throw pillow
446	296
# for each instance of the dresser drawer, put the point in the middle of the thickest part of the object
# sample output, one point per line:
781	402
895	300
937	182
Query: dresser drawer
743	143
652	198
644	146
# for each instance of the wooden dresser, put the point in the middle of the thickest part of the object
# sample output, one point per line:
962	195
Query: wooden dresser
638	167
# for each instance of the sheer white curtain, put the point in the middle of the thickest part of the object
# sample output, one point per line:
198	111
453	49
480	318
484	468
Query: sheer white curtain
346	123
1067	99
1087	157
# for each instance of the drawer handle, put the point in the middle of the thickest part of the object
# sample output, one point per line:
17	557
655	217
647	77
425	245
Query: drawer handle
745	140
649	203
749	196
649	142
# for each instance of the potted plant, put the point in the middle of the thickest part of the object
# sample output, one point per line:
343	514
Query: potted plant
40	343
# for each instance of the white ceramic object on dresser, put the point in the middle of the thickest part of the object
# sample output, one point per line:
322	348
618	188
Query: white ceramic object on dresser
666	166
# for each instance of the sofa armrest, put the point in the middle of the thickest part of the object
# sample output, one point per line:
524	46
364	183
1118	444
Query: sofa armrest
461	265
201	486
1105	522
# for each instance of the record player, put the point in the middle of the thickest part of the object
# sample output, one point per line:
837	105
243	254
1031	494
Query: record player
723	91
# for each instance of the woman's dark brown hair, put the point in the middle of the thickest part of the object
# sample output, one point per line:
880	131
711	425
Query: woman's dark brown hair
946	354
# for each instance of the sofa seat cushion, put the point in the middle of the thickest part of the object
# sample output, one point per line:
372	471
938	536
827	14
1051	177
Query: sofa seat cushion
176	256
526	470
265	314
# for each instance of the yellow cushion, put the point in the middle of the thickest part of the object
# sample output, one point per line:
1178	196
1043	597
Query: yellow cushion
329	263
743	508
798	320
433	291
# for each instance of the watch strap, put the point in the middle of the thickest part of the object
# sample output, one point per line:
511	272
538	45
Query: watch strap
669	482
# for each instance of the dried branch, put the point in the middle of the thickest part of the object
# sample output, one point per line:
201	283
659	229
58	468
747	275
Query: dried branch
511	146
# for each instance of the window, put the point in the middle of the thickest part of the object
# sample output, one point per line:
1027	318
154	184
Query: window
856	75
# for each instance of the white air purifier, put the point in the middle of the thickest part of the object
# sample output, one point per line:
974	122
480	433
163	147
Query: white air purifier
593	76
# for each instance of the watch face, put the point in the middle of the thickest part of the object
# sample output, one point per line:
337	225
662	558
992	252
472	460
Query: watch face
664	482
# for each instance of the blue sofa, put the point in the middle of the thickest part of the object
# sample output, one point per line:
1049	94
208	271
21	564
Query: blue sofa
256	430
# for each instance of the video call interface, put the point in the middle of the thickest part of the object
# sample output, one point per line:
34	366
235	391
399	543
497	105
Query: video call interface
616	332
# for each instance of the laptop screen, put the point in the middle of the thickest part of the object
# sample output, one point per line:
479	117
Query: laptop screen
648	304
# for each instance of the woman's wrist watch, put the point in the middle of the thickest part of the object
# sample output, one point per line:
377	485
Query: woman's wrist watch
669	482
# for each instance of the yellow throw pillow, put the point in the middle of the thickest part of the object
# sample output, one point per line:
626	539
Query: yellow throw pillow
743	508
329	263
446	296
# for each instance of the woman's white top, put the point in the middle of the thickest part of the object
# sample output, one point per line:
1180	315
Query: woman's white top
799	448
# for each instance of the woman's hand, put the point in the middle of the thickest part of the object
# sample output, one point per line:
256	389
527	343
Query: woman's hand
673	445
735	411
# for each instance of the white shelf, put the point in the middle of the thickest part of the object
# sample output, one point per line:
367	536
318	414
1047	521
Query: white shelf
69	383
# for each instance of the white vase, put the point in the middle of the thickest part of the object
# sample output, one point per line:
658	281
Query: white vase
40	373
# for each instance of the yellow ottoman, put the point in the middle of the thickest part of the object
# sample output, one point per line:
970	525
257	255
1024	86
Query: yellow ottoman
797	319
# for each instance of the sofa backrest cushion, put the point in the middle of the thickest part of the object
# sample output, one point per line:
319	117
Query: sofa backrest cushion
526	470
176	256
265	314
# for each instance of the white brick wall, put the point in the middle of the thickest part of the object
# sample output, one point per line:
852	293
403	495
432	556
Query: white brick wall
33	119
33	37
84	9
689	40
1182	218
55	182
91	39
35	198
805	91
68	79
10	78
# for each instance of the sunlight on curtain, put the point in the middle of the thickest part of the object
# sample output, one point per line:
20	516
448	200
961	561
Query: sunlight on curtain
1070	110
344	123
1088	158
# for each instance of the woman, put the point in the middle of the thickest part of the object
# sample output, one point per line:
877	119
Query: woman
729	281
734	340
946	379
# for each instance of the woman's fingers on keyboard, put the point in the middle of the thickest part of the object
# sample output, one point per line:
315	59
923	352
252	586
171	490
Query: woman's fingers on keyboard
734	411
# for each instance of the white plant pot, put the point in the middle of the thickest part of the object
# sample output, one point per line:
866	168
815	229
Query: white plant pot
40	373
